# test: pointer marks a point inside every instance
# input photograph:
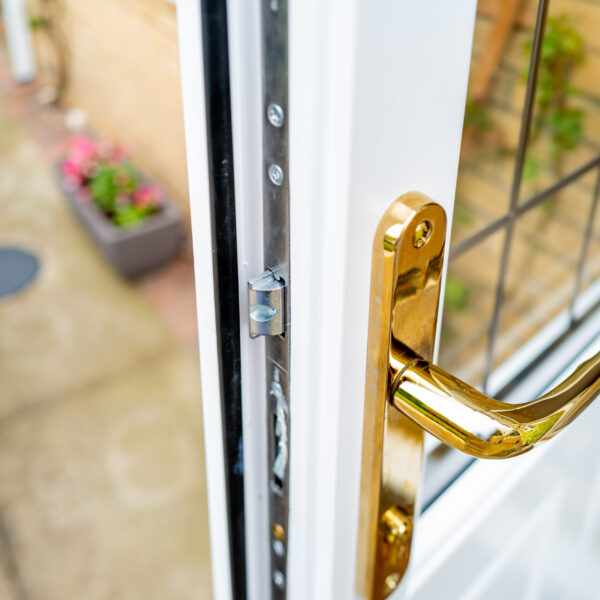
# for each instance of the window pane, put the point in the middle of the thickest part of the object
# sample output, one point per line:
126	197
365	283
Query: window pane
468	307
542	269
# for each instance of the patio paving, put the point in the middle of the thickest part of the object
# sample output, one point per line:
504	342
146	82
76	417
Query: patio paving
102	483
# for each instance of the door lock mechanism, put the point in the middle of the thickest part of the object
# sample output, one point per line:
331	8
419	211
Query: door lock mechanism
266	308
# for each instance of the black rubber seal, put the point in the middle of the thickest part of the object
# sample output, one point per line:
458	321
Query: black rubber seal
225	266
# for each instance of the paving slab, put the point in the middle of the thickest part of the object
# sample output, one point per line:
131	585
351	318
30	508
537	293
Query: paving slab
102	482
103	492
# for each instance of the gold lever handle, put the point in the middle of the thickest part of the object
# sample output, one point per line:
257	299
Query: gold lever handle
464	418
408	254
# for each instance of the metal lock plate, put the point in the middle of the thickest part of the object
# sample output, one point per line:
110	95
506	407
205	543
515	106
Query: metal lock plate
266	308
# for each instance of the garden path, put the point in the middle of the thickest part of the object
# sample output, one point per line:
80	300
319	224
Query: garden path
102	483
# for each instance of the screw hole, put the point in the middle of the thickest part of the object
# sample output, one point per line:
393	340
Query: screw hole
423	233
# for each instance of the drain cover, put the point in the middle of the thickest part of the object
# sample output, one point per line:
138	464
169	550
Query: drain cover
18	269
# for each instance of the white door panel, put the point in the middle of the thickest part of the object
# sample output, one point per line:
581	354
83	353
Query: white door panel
376	110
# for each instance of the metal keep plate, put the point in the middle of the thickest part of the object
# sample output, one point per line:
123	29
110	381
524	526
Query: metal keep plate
270	296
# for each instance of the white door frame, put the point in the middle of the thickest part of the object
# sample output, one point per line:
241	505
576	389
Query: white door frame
246	99
192	83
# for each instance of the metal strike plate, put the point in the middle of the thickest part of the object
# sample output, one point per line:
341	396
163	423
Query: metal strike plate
266	308
406	270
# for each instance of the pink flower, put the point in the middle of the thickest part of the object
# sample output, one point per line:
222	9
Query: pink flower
81	160
82	148
147	195
70	167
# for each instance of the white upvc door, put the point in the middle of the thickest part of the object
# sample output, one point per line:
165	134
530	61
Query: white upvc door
377	92
377	98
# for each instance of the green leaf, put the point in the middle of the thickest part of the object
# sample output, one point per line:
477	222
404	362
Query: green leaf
532	167
462	215
554	117
130	215
37	22
477	116
457	294
110	182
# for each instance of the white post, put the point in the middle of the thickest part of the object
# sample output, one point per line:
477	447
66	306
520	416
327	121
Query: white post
20	49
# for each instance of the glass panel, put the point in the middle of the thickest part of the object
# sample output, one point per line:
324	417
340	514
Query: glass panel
485	172
532	305
542	269
468	307
565	132
565	126
564	135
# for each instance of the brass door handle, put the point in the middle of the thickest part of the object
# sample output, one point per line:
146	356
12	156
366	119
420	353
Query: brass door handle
406	394
464	418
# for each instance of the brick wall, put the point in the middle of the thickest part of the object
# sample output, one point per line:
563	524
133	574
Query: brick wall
123	69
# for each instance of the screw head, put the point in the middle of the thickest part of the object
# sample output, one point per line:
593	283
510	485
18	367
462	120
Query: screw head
391	583
278	579
276	529
275	115
422	233
276	174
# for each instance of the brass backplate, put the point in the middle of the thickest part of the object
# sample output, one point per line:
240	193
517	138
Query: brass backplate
408	254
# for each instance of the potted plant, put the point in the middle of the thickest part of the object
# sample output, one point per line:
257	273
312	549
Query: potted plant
131	220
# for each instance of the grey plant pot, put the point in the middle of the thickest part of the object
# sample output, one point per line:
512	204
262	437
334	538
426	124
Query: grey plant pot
136	250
